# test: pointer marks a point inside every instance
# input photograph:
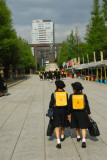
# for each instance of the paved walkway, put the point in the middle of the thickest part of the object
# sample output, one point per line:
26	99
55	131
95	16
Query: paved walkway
23	123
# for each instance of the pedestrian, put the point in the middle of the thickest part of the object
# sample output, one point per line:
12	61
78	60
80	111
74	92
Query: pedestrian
53	76
59	102
65	74
80	112
41	75
50	76
72	73
44	75
57	75
47	75
3	86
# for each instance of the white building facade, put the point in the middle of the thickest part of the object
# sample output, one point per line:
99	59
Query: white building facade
42	32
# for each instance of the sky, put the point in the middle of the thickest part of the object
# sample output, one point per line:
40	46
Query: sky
66	15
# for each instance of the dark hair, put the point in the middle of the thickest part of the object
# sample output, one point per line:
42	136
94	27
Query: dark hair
77	86
60	84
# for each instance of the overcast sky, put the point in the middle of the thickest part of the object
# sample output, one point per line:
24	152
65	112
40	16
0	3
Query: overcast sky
66	15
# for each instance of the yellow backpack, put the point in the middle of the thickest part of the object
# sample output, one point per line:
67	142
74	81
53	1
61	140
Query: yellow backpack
61	98
78	101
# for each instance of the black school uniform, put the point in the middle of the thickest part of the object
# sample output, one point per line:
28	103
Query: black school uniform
50	75
57	75
2	87
41	75
79	118
60	113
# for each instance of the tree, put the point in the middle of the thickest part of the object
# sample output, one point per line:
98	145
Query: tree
104	11
26	59
95	32
71	48
14	51
8	37
63	53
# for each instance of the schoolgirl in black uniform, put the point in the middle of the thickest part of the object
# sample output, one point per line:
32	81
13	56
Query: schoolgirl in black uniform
41	75
80	112
59	102
53	75
50	75
57	75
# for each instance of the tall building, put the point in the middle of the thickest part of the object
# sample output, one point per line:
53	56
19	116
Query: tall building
42	32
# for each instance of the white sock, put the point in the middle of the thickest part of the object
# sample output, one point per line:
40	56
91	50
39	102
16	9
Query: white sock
58	141
78	137
62	136
83	140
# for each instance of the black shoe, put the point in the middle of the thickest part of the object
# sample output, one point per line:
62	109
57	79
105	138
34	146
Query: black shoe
62	139
58	146
78	139
83	145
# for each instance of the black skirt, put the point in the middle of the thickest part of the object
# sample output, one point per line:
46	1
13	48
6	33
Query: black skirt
79	119
60	117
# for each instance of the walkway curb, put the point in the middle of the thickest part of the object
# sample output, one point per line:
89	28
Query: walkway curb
14	83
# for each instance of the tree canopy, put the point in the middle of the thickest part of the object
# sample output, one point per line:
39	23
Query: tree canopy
14	50
95	39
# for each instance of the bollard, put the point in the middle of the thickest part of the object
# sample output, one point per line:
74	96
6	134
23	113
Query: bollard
101	81
97	80
83	78
105	81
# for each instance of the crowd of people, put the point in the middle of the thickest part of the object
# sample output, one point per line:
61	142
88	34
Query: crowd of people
74	109
51	75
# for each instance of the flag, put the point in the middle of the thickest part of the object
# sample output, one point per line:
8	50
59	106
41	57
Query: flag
87	58
101	57
71	62
75	61
78	60
94	57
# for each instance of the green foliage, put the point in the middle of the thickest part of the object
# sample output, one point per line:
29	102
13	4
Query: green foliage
41	68
71	48
63	54
95	32
5	15
95	37
26	59
104	9
7	34
13	49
